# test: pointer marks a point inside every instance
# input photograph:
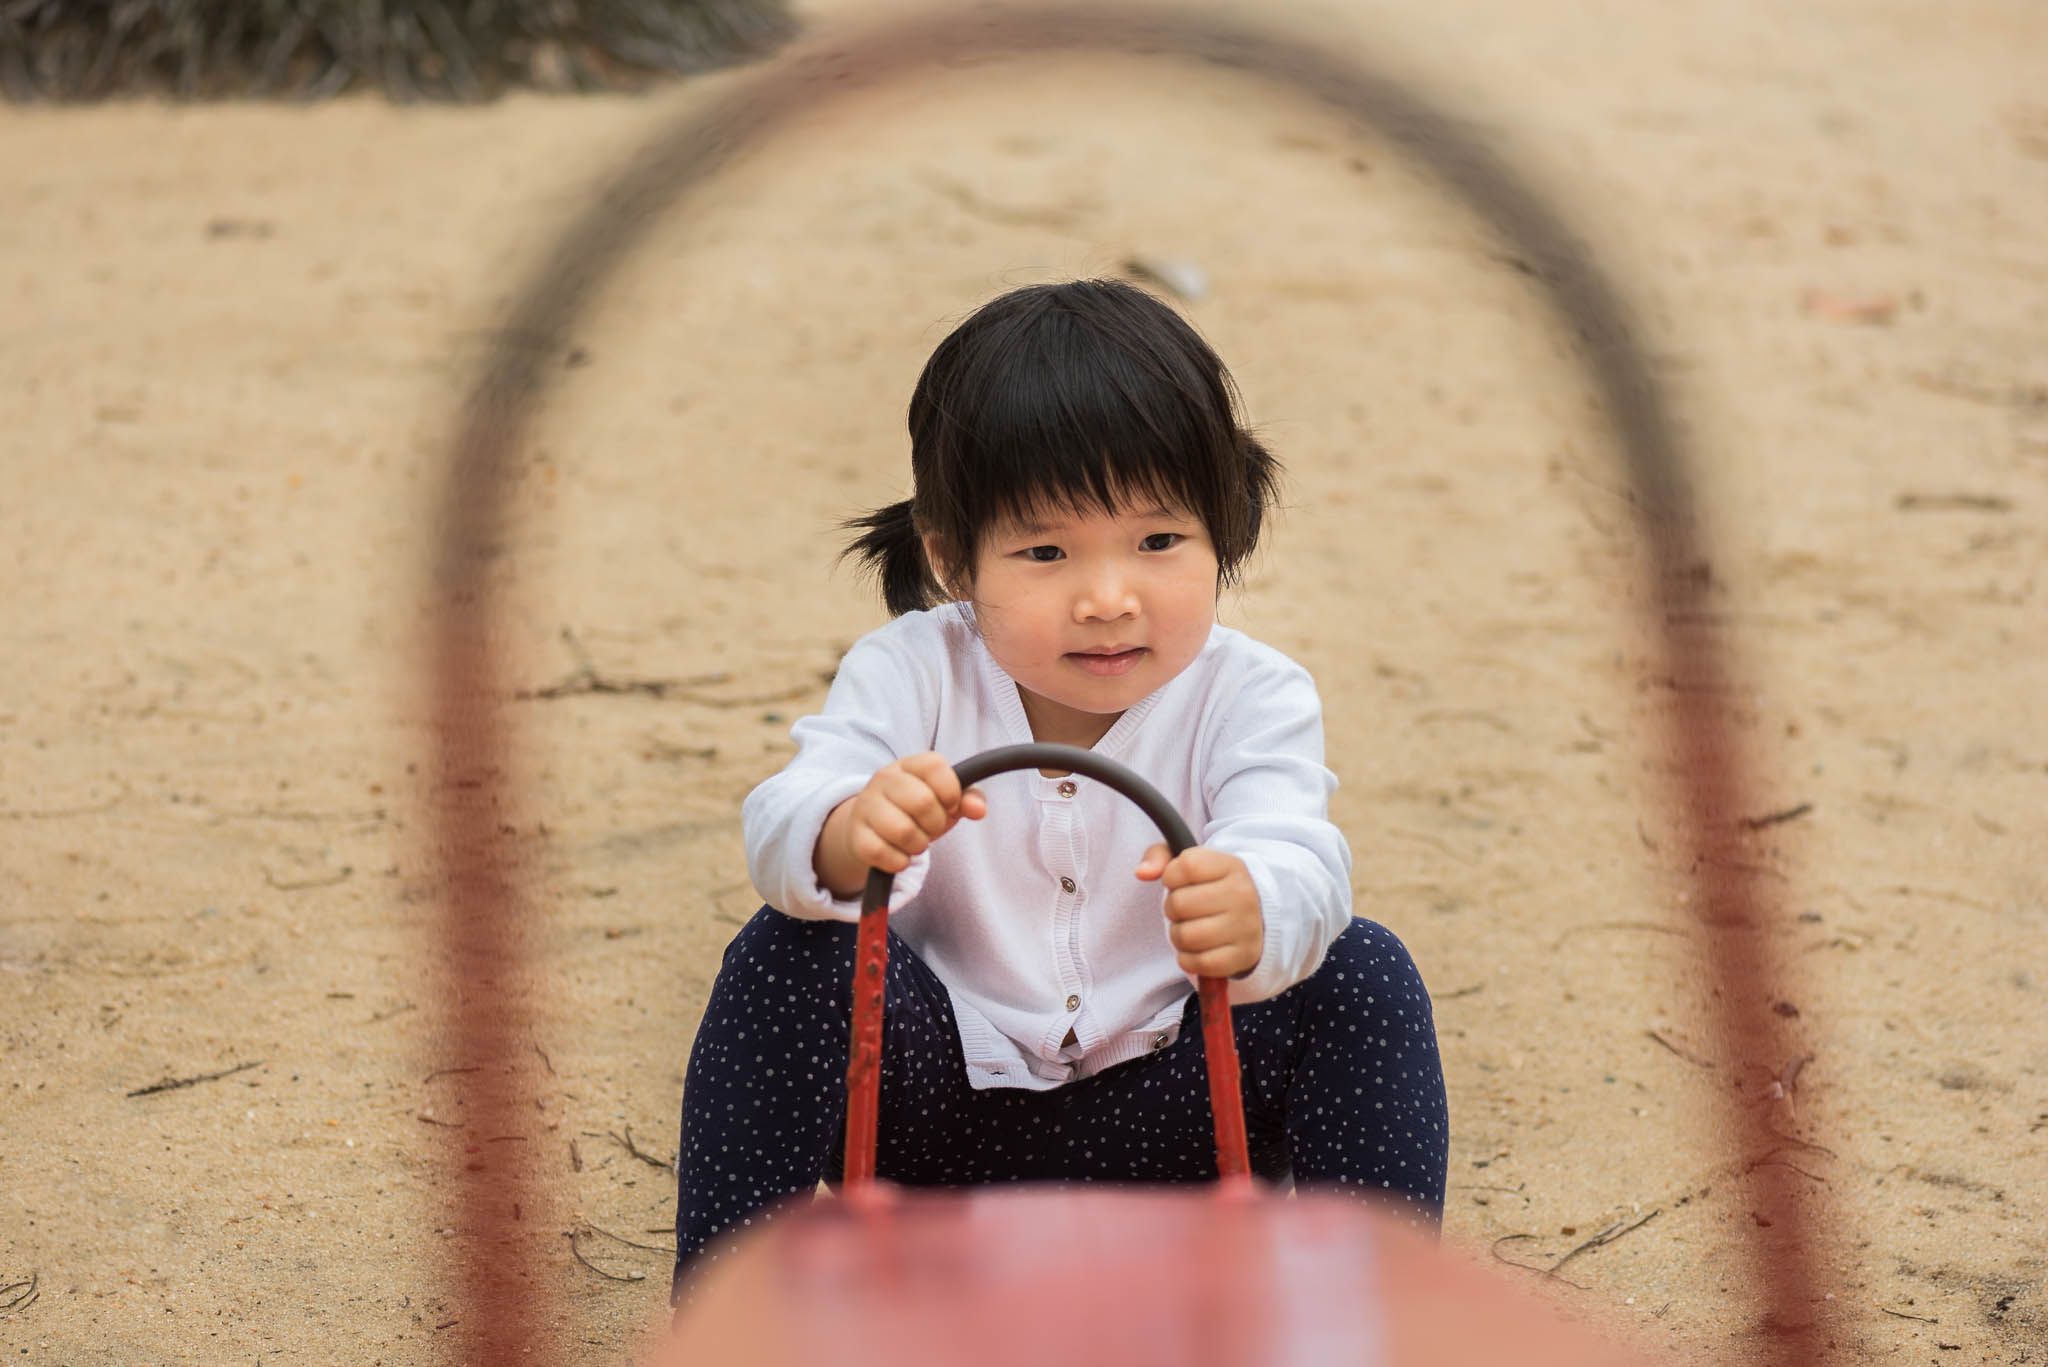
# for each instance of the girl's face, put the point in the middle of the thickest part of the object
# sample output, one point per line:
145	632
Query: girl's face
1090	611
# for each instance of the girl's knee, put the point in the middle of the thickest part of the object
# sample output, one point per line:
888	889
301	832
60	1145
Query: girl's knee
772	947
1368	952
1368	975
769	933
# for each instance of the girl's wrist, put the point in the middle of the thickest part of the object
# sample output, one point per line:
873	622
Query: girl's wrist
837	869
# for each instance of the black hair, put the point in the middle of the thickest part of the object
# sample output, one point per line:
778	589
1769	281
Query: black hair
1086	395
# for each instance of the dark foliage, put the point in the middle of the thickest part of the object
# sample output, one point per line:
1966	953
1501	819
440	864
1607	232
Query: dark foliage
410	49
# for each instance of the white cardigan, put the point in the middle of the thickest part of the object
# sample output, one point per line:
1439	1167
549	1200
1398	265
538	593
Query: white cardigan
1033	917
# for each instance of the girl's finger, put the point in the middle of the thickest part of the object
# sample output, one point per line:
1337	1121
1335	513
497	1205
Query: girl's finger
875	852
1196	864
1152	863
1192	901
937	775
917	801
1194	937
973	804
900	829
1214	963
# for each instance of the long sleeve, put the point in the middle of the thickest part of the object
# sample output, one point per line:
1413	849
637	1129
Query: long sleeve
1268	792
881	707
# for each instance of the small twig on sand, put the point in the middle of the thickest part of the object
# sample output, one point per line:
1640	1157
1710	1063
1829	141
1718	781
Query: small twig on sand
1688	1055
1508	1239
1461	992
1924	1319
444	1072
608	1276
21	1294
1526	1267
586	679
1768	1162
639	1152
1605	1236
329	882
661	690
620	1238
545	1059
172	1084
1739	866
1757	823
1952	503
1797	1143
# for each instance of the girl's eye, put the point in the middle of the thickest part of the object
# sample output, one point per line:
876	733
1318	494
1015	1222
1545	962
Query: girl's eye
1043	555
1162	541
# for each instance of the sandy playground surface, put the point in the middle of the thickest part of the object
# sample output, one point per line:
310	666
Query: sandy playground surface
232	342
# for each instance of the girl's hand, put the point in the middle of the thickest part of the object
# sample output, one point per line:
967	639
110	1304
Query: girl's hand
1212	910
905	807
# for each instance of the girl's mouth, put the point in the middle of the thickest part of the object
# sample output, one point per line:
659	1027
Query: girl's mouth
1108	665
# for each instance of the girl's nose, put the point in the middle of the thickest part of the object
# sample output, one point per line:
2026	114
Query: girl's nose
1108	595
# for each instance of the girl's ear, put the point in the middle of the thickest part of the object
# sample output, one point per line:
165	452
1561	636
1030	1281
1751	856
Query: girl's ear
942	567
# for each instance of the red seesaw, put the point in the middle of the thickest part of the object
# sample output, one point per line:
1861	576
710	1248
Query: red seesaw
1093	1273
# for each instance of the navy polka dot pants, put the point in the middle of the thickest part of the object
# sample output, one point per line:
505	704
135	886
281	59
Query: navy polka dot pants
1342	1088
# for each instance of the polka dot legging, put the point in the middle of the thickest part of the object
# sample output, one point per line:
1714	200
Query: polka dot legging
1342	1088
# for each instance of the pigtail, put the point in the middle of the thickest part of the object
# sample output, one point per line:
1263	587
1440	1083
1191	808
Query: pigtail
890	551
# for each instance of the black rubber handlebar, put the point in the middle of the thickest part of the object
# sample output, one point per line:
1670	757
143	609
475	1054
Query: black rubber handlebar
1087	763
871	952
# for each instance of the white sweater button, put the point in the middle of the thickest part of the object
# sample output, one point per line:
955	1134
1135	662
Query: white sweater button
1073	1003
1068	789
1066	885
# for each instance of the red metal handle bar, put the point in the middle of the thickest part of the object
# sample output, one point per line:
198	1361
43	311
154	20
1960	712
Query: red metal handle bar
871	961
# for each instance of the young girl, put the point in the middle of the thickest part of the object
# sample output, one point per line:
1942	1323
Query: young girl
1082	491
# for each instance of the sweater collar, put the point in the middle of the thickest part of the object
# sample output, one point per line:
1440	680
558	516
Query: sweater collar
1009	704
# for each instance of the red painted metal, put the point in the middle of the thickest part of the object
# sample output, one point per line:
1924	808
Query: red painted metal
483	937
1220	1045
864	1064
1044	1276
871	962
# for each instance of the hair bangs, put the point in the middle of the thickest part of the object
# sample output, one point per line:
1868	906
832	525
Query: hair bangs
1070	421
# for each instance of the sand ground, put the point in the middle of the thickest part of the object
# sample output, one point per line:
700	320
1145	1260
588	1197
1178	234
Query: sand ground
232	342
